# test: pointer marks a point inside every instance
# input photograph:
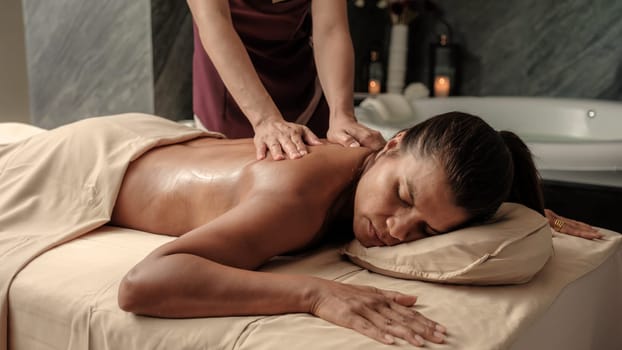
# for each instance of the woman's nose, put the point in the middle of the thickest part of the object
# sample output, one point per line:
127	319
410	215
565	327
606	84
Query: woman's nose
401	226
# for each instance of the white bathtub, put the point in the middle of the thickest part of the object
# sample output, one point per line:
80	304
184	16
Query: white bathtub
576	138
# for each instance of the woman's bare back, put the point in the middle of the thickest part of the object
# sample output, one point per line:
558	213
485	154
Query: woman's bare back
174	189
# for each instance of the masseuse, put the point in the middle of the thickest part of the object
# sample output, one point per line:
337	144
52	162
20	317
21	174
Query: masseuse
280	70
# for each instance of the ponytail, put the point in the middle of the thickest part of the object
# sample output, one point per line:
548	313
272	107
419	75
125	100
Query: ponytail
526	186
484	167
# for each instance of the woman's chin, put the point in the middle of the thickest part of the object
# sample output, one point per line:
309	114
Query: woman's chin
367	242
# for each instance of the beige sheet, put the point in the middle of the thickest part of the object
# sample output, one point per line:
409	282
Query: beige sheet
13	132
66	299
586	315
60	184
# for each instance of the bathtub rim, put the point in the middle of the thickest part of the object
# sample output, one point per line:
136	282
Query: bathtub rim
598	162
530	109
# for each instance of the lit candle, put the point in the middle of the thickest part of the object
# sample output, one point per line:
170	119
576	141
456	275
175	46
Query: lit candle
373	86
441	86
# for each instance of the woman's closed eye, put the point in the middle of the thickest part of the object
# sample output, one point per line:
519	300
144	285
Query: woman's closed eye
430	231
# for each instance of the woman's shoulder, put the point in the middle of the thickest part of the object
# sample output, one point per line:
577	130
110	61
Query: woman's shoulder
325	170
328	161
337	157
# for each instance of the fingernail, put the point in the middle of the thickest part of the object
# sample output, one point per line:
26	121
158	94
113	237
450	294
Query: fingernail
355	144
419	339
303	152
440	328
389	338
439	335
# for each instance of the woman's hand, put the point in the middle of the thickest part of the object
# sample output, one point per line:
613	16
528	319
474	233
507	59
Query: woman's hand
571	227
378	314
282	139
349	133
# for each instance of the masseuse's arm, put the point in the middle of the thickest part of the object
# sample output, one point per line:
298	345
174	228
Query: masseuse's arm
208	272
226	50
334	57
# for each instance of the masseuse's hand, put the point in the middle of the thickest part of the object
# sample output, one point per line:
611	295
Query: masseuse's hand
283	139
379	314
345	130
571	227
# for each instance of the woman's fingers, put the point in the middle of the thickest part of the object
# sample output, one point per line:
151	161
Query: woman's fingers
393	314
400	298
409	312
368	328
414	327
385	329
379	314
422	325
401	311
571	227
580	231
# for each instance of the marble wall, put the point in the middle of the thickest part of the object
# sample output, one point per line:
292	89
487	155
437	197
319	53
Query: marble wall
13	74
568	48
172	58
87	58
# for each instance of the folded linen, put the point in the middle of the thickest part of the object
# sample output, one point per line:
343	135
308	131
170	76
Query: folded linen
59	184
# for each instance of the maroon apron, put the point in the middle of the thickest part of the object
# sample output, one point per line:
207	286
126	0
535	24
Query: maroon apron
277	38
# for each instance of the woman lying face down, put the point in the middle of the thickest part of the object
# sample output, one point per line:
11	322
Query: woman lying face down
233	213
438	176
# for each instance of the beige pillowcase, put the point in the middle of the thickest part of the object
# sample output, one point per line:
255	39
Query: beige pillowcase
508	249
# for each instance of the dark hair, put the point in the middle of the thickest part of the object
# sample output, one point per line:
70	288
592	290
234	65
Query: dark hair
484	167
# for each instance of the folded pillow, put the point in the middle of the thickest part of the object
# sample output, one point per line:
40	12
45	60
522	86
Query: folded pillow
510	248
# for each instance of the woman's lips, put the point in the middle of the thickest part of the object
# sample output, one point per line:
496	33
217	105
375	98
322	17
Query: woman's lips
380	239
374	234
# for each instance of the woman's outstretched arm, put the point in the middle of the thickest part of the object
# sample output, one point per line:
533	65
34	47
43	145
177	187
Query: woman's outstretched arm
209	272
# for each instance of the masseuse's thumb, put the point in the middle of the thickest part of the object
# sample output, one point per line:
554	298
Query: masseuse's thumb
348	141
310	138
368	138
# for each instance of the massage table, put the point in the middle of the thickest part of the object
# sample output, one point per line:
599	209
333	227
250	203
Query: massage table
66	298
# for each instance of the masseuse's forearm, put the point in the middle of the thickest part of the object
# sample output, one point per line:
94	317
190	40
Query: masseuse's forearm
334	56
228	54
184	285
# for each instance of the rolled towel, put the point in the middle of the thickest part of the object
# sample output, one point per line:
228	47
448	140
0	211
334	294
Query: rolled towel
388	108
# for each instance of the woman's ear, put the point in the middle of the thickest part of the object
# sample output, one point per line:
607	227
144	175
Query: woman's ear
395	141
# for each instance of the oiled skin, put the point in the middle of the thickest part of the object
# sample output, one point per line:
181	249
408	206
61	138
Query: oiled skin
231	214
174	189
